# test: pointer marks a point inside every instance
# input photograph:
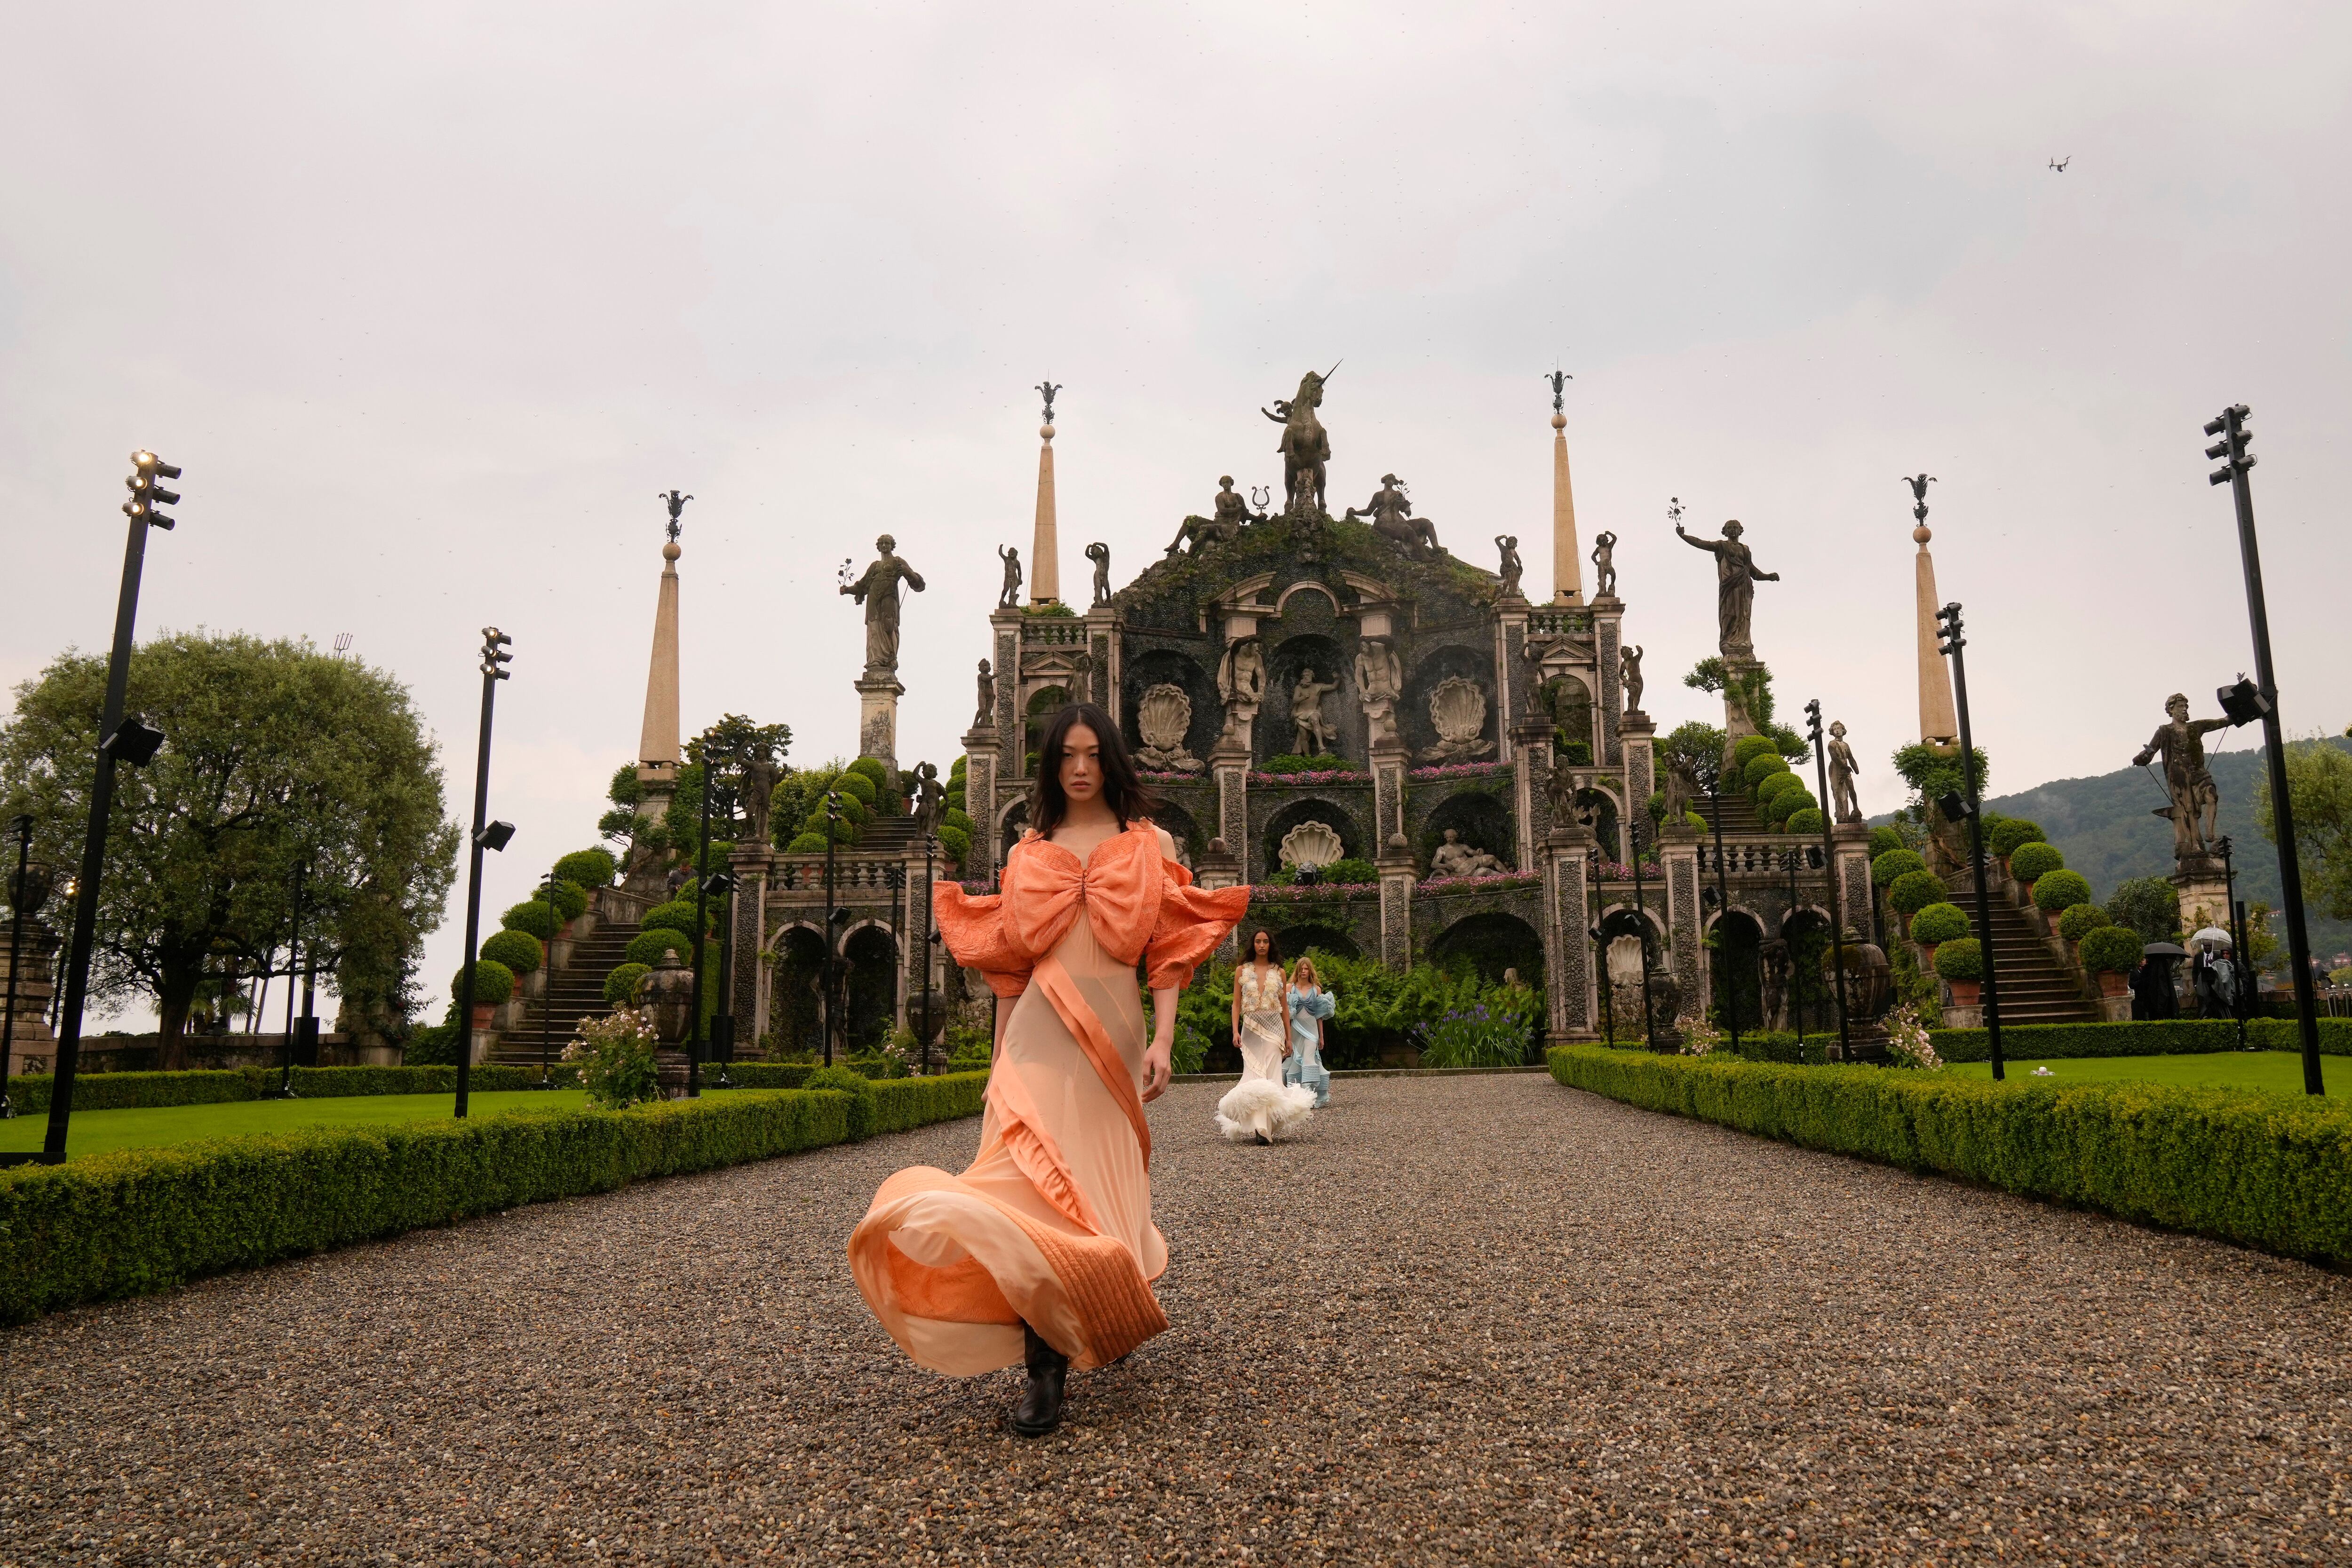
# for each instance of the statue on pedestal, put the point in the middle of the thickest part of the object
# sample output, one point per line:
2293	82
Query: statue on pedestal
2196	800
1306	446
1842	768
877	590
1380	681
1241	682
985	715
1735	578
1009	596
1392	518
1454	858
1307	696
930	799
1100	554
1230	513
760	775
1605	565
1512	567
1629	670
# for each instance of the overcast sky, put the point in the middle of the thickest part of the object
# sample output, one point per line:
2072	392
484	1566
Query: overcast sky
430	300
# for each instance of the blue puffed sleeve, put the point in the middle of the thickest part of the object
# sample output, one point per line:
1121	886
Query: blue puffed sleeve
1319	1006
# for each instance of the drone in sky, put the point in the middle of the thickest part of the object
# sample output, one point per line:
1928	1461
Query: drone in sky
2060	163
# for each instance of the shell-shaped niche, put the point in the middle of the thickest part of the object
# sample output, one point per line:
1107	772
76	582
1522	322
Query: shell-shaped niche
1314	844
1458	708
1163	716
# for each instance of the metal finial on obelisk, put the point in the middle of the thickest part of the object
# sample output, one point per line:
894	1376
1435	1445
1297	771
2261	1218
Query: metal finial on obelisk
658	747
1566	560
1045	551
1938	721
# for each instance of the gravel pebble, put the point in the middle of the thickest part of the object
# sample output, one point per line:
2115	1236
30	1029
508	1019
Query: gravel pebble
1472	1320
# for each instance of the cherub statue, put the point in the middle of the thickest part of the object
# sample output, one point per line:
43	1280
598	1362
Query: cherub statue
986	713
1630	670
1009	596
930	799
1512	567
1100	554
1605	565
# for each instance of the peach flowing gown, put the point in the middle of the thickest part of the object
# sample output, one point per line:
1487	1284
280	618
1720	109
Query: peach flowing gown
1051	1223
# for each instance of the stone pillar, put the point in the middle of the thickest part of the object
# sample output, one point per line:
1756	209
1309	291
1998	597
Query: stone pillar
1512	679
1607	614
658	747
878	715
33	1047
763	969
749	864
1102	655
1850	845
1231	769
1937	723
1396	870
1530	784
1678	847
1011	732
1045	551
1567	558
1570	1001
1641	765
1219	867
980	759
1390	764
2203	893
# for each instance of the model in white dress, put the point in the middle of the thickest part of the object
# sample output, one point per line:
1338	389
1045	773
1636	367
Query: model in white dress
1261	1107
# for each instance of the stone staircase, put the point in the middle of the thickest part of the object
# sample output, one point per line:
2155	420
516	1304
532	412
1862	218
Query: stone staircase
573	992
2035	987
1738	814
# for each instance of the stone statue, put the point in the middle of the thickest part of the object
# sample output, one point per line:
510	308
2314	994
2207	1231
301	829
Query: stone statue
1457	711
930	799
1009	596
1306	446
1681	788
1842	768
2195	802
1378	678
877	590
1605	565
1163	715
1454	858
1306	712
1735	578
1393	520
1561	790
1629	670
1241	674
985	715
1511	568
1100	554
758	788
1231	512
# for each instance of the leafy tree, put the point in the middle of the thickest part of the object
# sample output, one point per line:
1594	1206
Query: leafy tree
1709	674
2319	786
2150	905
274	755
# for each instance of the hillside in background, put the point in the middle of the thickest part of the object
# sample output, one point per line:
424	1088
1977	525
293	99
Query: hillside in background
2107	832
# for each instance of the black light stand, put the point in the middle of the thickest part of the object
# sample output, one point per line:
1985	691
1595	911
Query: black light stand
930	941
1953	640
694	1045
285	1090
2240	971
1642	919
18	891
547	993
722	1020
2238	463
1837	892
129	739
495	658
1714	782
832	828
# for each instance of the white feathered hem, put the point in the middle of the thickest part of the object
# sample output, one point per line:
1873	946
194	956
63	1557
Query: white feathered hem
1266	1106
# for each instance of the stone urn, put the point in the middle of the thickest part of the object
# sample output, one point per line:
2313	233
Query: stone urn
669	994
27	896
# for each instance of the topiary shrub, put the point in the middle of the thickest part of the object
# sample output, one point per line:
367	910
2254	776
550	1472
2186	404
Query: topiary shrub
1892	863
1806	819
1351	870
954	842
1751	746
2033	860
2080	920
1939	923
2010	833
2112	950
571	900
873	769
2147	904
1758	769
955	817
647	946
1781	806
1774	784
493	983
677	915
1961	958
589	868
2054	891
817	825
1914	891
533	917
517	950
814	844
1883	839
620	984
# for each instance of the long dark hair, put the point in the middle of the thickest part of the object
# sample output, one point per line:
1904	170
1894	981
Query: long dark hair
1123	791
1273	947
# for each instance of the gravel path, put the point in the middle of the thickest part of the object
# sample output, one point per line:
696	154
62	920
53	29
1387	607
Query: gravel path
1479	1319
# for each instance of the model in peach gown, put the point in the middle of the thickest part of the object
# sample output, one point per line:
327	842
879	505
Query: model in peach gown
1051	1224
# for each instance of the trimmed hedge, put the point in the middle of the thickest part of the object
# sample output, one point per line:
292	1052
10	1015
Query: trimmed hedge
531	917
621	984
647	947
2033	860
1914	891
142	1220
493	983
1775	781
2057	891
2155	1037
1889	864
2111	949
2011	831
2080	920
678	914
571	900
589	867
1944	922
517	950
1805	819
217	1086
1962	959
2262	1170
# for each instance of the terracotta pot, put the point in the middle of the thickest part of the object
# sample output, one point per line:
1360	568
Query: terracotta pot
1964	992
2112	984
1928	950
482	1012
2028	891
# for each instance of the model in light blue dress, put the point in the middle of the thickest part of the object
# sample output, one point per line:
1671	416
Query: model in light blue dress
1305	1065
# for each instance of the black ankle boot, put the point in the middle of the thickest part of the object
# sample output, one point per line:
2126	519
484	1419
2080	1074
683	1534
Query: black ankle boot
1040	1409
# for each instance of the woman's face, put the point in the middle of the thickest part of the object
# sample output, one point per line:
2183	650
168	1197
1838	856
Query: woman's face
1261	948
1081	764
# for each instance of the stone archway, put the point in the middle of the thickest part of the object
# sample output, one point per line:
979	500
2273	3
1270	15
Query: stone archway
1481	820
1735	972
1352	838
1492	943
870	954
795	1006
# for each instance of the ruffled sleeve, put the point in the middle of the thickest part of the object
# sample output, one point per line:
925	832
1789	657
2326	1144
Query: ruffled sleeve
1192	921
1319	1005
974	930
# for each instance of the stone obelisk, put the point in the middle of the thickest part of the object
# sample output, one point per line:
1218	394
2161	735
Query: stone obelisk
1044	552
658	749
1567	563
1938	721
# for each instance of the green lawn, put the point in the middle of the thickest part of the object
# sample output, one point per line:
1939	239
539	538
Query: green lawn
101	1132
2280	1072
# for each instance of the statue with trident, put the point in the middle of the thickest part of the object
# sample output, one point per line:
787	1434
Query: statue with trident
1306	446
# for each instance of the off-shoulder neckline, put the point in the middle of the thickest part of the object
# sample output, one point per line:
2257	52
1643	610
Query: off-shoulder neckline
1139	826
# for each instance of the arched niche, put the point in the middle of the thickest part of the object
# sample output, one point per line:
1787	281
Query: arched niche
1735	972
1190	842
1491	943
1276	734
871	952
1314	937
1167	666
1568	701
796	1011
1351	834
1015	823
1043	704
1419	729
1484	823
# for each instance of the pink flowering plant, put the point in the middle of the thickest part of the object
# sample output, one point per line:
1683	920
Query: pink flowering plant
1486	883
1907	1041
614	1058
1319	776
1700	1038
1460	770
